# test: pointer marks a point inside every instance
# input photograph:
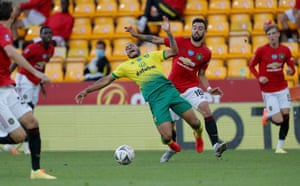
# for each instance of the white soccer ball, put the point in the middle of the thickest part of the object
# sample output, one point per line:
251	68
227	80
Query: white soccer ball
124	154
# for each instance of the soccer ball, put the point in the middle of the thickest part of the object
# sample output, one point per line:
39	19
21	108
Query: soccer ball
124	154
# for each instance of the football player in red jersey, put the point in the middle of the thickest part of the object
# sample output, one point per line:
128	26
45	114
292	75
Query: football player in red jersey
188	71
27	85
14	113
271	58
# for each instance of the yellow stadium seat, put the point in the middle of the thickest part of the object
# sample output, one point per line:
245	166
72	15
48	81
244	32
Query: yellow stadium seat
74	72
107	8
265	6
210	40
294	47
218	25
82	21
196	7
77	54
216	72
84	10
120	27
81	32
118	52
284	5
234	72
176	28
32	32
54	71
219	50
259	19
104	28
240	22
219	7
83	1
216	62
78	43
258	40
242	6
239	47
129	8
60	52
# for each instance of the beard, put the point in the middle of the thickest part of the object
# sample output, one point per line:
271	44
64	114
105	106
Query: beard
197	38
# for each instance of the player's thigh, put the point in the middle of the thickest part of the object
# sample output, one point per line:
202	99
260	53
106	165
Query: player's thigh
284	98
271	103
26	89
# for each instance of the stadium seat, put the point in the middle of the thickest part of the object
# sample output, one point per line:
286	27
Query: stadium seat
218	25
74	72
129	8
118	52
103	28
293	46
284	5
82	31
239	47
82	21
196	7
242	6
106	8
77	54
219	7
258	40
216	62
32	32
219	50
78	43
60	52
84	10
216	72
259	19
240	22
121	22
176	28
267	6
83	1
54	71
210	40
238	68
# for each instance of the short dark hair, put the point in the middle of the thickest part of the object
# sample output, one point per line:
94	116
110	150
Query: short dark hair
269	27
43	28
200	20
5	10
101	42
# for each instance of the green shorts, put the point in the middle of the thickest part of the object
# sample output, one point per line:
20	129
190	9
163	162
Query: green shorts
162	100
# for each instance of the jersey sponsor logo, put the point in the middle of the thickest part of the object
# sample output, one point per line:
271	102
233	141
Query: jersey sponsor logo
138	73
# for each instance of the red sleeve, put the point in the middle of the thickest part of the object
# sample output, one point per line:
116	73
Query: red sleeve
290	61
253	62
30	4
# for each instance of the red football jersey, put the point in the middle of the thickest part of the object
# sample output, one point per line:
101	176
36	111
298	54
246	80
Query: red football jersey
37	55
187	63
270	63
42	6
5	39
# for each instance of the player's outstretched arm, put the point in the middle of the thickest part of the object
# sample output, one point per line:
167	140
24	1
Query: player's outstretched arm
101	83
173	50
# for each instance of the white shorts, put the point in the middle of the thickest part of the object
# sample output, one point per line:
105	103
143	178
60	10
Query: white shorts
11	109
289	13
33	18
195	96
277	100
28	91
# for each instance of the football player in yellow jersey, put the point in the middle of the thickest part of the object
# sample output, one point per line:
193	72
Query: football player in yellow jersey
146	71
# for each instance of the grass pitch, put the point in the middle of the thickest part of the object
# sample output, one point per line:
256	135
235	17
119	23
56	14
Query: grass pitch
188	168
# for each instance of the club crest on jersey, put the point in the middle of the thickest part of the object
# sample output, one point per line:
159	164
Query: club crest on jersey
274	56
191	52
281	56
199	57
